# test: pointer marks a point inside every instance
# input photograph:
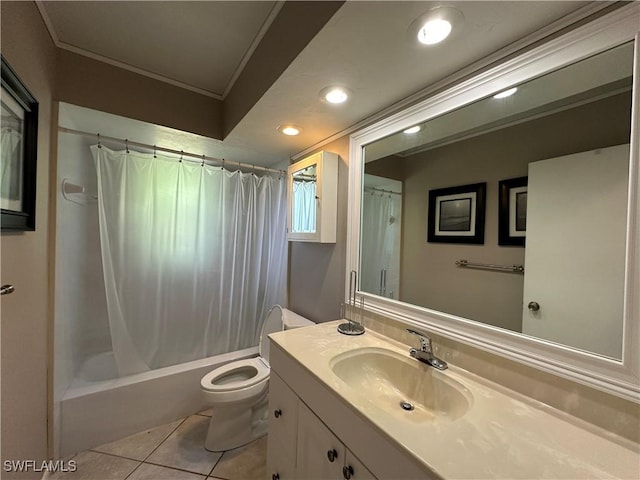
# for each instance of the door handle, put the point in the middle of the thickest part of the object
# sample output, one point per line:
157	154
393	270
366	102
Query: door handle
7	289
533	306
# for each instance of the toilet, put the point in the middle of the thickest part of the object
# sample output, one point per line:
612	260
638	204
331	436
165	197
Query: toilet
238	390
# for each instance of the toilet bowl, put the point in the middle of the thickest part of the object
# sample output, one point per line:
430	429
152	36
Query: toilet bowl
238	390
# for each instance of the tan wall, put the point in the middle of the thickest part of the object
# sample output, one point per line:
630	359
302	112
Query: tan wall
92	84
27	47
317	271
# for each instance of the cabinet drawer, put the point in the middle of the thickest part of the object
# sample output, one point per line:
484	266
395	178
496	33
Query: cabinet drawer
283	412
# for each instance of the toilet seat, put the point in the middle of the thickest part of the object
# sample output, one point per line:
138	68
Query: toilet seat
240	368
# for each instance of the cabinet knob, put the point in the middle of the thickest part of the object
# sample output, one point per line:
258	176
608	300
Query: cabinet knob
347	471
275	476
277	413
332	455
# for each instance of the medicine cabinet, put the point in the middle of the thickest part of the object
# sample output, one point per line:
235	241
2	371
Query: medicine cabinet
313	199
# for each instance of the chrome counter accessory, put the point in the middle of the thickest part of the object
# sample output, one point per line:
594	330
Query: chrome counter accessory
352	327
425	354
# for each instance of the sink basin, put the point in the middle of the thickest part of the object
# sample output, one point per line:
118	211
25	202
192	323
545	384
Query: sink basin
402	385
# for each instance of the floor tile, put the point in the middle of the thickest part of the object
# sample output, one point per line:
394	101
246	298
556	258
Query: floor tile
139	445
244	463
184	448
98	466
146	471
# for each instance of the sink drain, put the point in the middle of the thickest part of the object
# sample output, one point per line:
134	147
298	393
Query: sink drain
406	405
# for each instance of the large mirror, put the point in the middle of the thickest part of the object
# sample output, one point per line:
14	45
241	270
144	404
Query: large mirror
507	216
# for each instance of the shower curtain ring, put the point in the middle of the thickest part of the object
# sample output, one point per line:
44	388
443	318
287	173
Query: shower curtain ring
126	145
99	144
181	153
202	160
222	168
155	152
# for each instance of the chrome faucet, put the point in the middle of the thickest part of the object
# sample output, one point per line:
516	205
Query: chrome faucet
425	354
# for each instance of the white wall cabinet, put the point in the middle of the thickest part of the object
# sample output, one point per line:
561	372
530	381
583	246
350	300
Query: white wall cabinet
301	446
312	189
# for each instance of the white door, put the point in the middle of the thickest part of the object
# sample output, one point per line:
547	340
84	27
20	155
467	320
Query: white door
575	249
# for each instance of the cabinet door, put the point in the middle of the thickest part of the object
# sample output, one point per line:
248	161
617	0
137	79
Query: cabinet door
354	469
320	454
280	464
283	429
283	411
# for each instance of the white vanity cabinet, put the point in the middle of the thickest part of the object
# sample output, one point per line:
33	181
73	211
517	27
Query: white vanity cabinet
312	190
321	456
300	446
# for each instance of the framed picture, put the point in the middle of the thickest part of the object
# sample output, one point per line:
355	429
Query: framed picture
19	136
456	214
512	213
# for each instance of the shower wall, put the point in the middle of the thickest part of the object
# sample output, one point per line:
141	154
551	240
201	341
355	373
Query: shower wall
81	323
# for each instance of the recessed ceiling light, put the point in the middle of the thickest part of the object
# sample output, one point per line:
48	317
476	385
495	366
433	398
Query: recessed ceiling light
434	31
411	130
435	25
290	130
506	93
334	94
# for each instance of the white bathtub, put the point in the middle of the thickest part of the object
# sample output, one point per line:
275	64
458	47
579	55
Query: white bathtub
99	408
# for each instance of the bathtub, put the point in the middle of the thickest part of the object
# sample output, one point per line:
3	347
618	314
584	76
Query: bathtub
98	407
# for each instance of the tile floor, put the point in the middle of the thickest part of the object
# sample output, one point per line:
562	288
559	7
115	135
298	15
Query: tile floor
169	452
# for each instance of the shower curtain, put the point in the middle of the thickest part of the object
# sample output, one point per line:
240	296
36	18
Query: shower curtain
381	221
193	256
304	206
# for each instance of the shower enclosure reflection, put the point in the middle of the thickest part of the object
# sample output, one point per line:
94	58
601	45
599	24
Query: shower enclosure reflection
381	229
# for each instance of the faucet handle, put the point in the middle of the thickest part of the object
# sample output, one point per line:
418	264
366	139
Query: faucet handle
425	341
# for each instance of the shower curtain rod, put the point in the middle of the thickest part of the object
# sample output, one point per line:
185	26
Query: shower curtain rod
155	148
381	190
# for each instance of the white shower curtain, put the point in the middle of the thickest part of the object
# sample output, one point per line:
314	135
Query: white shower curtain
381	221
193	256
304	207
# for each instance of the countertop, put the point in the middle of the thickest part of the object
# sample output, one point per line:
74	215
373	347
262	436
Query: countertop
502	434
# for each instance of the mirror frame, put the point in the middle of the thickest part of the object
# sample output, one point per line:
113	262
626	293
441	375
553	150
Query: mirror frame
616	377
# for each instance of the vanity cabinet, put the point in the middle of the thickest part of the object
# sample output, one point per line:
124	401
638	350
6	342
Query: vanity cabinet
312	190
321	456
300	446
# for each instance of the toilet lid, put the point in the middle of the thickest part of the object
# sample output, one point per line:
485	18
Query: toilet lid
272	324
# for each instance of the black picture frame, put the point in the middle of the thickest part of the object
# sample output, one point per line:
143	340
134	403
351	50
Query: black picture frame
457	214
512	211
19	165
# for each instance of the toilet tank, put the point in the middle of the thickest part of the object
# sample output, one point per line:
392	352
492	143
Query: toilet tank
293	320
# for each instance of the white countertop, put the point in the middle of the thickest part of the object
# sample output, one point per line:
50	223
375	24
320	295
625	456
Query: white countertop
502	435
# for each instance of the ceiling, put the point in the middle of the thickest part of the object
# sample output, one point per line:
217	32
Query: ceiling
364	46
